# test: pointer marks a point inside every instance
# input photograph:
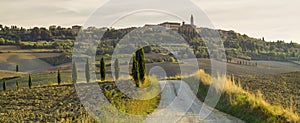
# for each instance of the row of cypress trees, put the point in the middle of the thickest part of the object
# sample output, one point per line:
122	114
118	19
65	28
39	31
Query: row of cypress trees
138	71
59	81
17	83
87	71
102	70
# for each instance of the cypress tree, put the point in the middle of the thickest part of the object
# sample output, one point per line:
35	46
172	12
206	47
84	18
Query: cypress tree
87	71
117	69
17	68
58	77
135	71
74	72
102	69
29	81
17	85
4	85
140	57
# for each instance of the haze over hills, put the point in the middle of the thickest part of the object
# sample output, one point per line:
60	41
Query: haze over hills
274	19
236	45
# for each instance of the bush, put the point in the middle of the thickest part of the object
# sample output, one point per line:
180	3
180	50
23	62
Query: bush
172	59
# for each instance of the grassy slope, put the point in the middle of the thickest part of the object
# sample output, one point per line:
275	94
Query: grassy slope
129	110
9	74
29	60
243	104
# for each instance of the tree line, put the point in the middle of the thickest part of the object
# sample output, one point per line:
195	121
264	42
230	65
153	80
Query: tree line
138	72
236	45
30	82
15	33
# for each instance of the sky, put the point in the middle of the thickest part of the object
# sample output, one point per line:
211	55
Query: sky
272	19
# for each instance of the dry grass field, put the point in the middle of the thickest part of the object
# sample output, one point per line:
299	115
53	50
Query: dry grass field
43	104
10	74
279	89
264	67
28	60
16	49
278	82
61	104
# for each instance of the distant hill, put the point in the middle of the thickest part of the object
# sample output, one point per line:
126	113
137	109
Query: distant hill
245	47
236	45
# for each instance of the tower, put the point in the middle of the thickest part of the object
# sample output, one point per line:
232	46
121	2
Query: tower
192	20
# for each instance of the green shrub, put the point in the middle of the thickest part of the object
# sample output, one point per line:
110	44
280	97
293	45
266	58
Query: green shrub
172	59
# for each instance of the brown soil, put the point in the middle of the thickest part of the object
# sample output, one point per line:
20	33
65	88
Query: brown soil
44	104
279	89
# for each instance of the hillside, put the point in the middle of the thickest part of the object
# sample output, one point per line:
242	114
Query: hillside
236	45
28	60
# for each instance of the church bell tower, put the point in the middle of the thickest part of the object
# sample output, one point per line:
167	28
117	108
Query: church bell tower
192	20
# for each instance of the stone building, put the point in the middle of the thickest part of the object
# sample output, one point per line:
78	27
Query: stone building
188	28
170	25
76	28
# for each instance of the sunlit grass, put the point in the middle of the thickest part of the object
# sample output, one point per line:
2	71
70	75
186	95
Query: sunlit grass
238	102
126	108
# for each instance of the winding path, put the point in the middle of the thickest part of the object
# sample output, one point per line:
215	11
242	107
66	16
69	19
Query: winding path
179	104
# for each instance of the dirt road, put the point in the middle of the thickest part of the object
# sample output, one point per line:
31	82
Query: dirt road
179	104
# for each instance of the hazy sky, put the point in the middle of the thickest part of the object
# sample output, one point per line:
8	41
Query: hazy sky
272	19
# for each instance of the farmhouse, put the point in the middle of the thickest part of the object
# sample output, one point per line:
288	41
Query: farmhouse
185	28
